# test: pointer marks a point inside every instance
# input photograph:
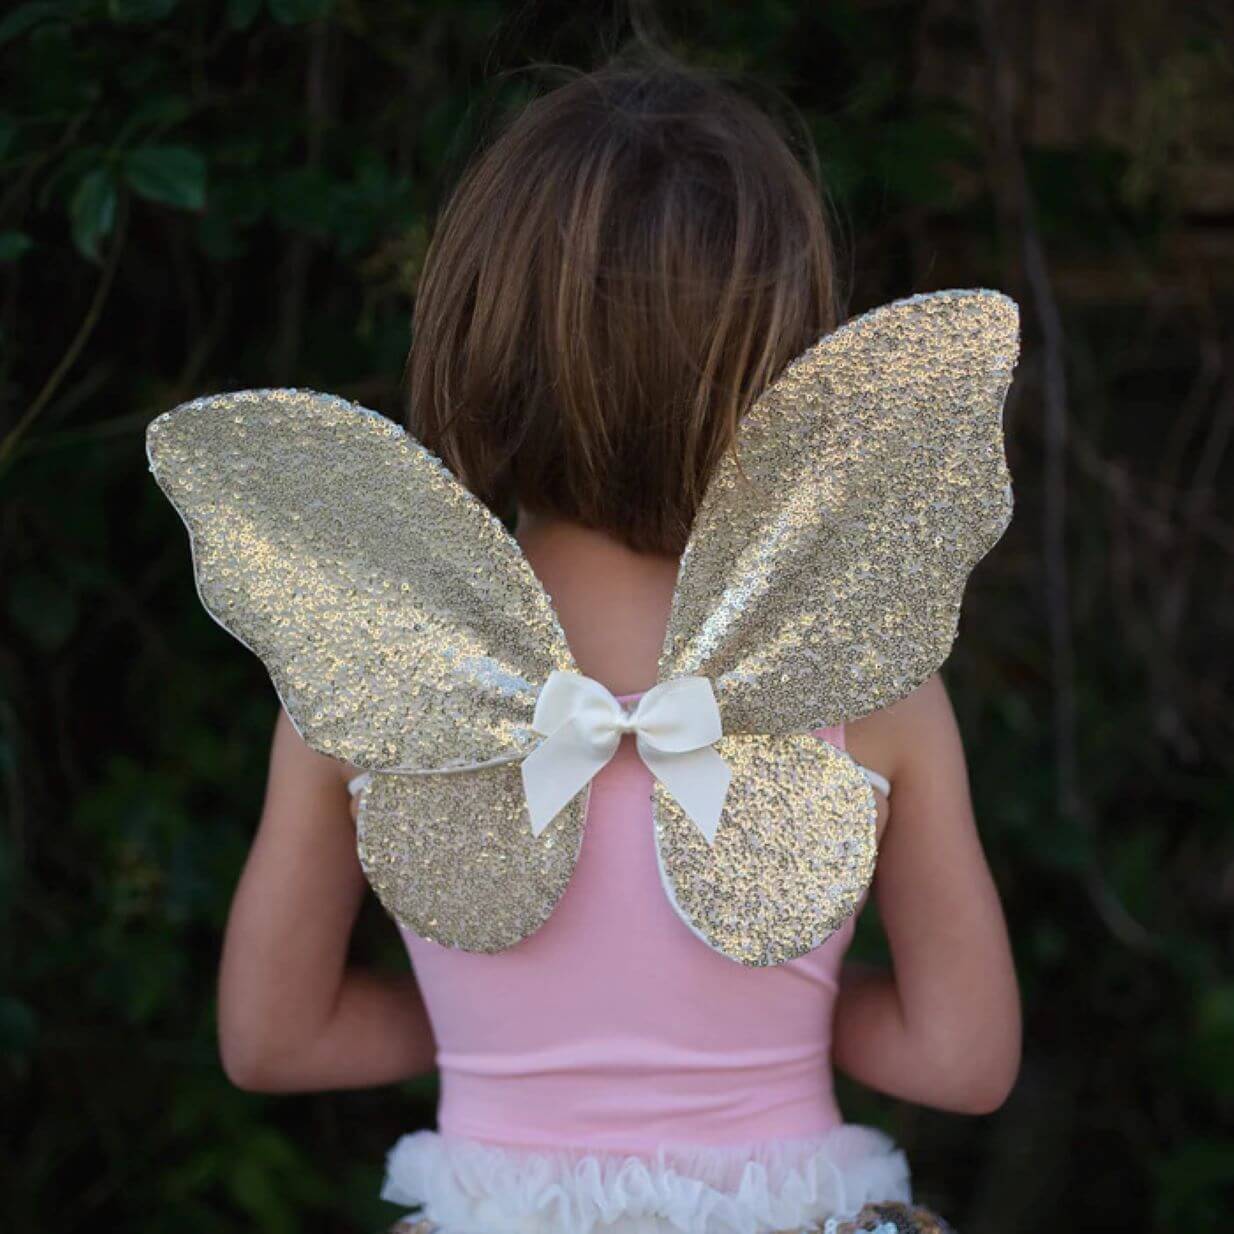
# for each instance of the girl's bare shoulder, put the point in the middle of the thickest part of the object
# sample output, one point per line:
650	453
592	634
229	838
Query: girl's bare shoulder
888	739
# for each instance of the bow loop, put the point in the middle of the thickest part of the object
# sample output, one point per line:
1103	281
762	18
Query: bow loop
676	724
679	715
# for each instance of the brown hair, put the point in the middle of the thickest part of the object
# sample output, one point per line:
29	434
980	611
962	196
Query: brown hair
611	285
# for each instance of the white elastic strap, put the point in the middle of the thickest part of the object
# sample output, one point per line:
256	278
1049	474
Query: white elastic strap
356	783
879	782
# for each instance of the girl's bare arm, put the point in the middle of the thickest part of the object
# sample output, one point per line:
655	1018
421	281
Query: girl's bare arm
943	1028
293	1016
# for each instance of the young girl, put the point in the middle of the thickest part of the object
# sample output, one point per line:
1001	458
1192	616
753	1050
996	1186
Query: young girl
627	946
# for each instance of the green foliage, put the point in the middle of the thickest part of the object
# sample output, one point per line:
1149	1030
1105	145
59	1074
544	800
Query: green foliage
199	197
92	210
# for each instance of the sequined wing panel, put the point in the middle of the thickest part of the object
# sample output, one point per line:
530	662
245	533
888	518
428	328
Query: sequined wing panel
825	570
397	617
823	580
452	857
794	852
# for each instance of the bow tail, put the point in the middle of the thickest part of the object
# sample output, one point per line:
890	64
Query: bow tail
698	780
557	769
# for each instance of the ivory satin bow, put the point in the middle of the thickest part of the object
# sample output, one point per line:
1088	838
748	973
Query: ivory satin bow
675	725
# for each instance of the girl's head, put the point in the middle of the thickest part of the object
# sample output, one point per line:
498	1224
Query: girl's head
612	284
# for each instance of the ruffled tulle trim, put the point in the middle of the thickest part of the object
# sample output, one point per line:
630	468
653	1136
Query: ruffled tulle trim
470	1187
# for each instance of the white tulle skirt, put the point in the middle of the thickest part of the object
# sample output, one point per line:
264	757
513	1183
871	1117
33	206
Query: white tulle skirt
464	1186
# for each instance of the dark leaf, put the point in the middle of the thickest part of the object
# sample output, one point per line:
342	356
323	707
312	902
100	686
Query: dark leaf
173	175
92	210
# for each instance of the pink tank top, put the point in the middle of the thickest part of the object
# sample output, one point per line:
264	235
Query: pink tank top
613	1027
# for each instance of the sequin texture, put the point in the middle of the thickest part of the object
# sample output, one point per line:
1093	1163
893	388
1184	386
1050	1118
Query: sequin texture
794	851
398	619
825	569
822	581
404	630
452	857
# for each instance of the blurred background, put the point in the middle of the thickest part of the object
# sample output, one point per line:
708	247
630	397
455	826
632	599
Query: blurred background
206	196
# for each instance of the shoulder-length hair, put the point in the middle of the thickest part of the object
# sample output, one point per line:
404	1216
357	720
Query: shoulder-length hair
614	281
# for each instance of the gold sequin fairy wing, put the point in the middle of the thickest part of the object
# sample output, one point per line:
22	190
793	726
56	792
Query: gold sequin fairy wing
792	856
823	580
398	619
825	569
402	629
453	859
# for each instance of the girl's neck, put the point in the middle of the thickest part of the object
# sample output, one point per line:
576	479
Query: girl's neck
612	602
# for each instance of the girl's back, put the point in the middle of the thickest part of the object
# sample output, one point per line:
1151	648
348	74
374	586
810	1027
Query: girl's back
612	1034
611	1026
617	279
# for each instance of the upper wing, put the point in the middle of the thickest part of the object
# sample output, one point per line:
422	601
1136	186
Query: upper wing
825	569
399	621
